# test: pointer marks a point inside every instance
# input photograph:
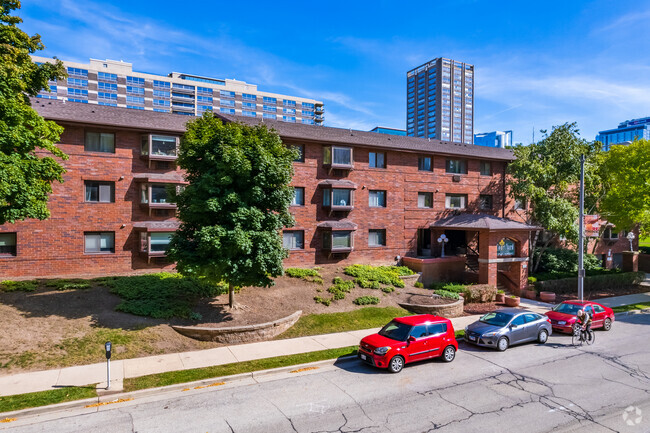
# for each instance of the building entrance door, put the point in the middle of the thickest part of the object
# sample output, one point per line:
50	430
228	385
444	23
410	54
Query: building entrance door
457	242
424	242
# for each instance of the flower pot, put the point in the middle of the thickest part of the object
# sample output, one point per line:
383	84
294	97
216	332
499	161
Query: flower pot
512	302
500	298
530	294
547	296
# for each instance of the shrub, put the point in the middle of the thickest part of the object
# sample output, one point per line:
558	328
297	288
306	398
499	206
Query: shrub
366	300
500	292
310	275
402	271
18	286
545	276
532	280
447	294
367	284
323	301
611	280
163	295
419	285
450	287
389	275
340	288
388	289
565	260
480	293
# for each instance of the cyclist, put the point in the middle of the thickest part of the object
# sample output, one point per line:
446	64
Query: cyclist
584	320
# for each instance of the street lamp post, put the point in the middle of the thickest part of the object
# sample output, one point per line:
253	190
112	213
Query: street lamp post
443	240
581	232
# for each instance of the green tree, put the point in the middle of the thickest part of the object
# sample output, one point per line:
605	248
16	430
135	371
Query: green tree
546	175
235	205
25	178
626	173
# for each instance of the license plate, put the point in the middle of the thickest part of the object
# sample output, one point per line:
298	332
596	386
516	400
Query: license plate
363	357
471	337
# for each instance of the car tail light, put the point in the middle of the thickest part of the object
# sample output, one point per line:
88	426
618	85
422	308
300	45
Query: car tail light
548	319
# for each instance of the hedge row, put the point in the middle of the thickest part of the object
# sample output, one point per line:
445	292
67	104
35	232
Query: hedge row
592	283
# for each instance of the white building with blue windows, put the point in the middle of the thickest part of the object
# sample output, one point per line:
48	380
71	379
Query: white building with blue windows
115	83
501	139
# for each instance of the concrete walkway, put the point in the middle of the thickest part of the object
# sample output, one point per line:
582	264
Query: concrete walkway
128	368
617	301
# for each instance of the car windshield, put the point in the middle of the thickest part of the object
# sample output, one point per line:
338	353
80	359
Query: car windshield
496	318
567	308
395	331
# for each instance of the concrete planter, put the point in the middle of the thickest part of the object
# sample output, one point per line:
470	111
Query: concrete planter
240	334
529	294
455	309
500	298
512	302
547	296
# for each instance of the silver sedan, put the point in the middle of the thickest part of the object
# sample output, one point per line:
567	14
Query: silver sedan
507	326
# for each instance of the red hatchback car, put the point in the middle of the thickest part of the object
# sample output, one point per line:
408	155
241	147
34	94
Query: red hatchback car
563	316
408	339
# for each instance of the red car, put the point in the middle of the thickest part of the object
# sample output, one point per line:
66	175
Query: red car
408	339
563	316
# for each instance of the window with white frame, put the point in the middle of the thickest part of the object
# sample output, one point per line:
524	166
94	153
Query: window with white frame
333	197
425	199
376	198
293	239
337	240
99	192
8	244
337	156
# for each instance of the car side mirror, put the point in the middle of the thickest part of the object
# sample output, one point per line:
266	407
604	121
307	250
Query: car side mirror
411	339
513	326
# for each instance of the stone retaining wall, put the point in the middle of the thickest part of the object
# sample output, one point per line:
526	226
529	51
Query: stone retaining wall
240	334
454	309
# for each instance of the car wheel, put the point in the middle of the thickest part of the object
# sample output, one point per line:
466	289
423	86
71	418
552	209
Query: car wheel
607	325
543	336
396	364
502	344
449	354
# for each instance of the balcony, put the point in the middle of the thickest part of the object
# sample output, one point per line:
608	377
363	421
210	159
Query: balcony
159	148
319	109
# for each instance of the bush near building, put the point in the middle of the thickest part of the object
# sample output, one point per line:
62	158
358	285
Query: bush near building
560	260
611	280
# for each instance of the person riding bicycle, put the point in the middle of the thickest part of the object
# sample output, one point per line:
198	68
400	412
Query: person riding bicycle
584	321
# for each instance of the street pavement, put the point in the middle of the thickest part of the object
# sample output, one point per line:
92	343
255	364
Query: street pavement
531	388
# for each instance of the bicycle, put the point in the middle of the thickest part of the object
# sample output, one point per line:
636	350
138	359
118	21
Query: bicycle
580	337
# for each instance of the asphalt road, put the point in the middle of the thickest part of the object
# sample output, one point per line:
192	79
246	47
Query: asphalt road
530	388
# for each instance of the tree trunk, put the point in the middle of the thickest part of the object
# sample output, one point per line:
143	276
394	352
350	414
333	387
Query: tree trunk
541	252
231	295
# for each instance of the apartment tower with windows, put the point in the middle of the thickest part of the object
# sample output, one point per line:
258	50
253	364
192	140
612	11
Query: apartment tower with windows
115	83
440	101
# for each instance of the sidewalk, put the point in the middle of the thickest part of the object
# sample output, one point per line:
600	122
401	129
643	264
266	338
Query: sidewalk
129	368
617	301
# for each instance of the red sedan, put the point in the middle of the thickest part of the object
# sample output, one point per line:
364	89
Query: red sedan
408	339
563	316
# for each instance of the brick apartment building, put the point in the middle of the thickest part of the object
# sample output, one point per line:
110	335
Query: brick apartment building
361	197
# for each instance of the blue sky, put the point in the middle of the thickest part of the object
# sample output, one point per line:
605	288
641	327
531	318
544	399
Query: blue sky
538	64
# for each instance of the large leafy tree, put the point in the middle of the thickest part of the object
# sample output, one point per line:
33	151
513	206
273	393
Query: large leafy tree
626	174
235	205
25	177
546	175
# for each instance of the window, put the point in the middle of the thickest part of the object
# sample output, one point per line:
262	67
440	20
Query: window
377	198
519	320
248	113
424	163
455	201
226	94
419	331
337	156
100	142
269	108
100	192
135	81
7	244
161	145
377	159
99	242
425	199
269	100
610	234
298	196
520	204
598	308
456	166
249	105
377	237
486	168
227	103
293	239
289	103
485	202
301	153
337	240
437	328
333	197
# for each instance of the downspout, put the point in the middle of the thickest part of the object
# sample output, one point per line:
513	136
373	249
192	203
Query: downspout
503	202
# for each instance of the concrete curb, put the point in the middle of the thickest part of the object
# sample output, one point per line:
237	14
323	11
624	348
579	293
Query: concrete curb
79	404
632	312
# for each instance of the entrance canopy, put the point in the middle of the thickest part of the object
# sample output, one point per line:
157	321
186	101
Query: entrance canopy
469	221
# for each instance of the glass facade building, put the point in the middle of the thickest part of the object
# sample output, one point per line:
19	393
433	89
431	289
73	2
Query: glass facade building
115	83
440	101
626	132
500	139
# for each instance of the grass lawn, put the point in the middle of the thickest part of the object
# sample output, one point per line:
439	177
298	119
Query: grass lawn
173	377
624	308
44	398
644	242
328	323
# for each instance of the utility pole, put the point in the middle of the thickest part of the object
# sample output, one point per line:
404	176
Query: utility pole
581	268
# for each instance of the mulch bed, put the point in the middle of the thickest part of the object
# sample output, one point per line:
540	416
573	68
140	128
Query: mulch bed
429	300
481	308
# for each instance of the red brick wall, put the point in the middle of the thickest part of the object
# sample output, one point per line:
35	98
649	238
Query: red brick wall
55	247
